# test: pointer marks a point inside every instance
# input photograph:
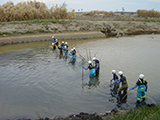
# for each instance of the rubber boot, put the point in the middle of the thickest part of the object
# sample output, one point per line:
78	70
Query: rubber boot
119	93
137	103
143	99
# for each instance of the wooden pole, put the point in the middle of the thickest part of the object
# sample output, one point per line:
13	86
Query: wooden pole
126	94
90	55
87	54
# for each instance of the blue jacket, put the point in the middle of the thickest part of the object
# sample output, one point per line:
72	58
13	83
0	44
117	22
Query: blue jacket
54	40
115	77
66	52
142	85
122	79
91	69
73	53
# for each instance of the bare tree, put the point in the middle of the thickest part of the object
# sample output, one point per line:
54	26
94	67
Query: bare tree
64	5
123	9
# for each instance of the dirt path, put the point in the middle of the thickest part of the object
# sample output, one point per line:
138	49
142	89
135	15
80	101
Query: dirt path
48	36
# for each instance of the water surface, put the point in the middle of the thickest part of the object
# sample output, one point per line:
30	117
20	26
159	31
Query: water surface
36	80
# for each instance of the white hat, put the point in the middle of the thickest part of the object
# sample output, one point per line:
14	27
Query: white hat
89	62
113	71
141	76
120	73
94	58
52	36
62	41
66	43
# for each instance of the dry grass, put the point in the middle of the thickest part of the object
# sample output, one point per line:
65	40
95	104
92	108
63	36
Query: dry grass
31	10
148	13
105	13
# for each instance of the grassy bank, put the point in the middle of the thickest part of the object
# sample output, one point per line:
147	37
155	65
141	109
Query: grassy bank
148	112
141	113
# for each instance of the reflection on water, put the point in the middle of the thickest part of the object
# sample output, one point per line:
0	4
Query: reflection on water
93	82
36	79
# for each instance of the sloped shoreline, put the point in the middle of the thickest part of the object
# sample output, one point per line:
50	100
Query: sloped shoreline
75	29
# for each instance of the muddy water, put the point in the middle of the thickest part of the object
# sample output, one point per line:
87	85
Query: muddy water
36	80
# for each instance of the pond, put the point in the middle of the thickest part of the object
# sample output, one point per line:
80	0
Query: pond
35	80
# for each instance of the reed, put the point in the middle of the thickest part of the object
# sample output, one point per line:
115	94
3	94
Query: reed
148	13
31	10
94	12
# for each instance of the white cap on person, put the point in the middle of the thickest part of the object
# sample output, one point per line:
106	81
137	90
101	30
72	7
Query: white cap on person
113	72
120	73
141	76
89	62
94	58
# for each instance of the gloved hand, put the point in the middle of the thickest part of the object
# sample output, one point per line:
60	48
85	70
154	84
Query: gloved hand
111	79
131	88
70	54
84	68
145	90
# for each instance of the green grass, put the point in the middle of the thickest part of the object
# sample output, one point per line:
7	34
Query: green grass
29	31
153	19
47	28
45	21
55	29
96	25
82	19
15	32
39	30
1	33
142	113
76	25
34	21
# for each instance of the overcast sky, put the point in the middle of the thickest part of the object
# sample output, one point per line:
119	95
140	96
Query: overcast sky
106	5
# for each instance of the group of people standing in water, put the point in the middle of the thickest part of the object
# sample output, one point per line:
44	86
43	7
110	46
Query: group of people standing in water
95	68
141	84
63	48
